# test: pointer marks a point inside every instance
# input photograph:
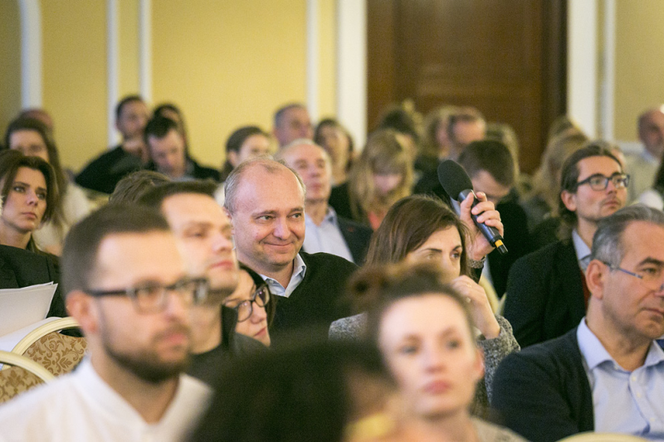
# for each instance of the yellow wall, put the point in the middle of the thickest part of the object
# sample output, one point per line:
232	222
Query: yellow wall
228	64
128	47
10	65
327	104
74	70
639	62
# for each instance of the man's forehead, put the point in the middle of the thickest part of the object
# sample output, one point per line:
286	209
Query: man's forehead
642	240
193	208
598	164
262	190
304	152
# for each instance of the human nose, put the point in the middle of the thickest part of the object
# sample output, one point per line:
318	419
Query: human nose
281	229
32	197
258	313
433	359
222	242
178	304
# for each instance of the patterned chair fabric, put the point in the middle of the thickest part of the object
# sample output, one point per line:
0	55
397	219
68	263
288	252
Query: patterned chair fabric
57	353
15	380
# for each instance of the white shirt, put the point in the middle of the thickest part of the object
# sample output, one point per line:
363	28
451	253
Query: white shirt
299	269
582	250
327	237
80	406
623	401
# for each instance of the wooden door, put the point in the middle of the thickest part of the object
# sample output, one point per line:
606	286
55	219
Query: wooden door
505	57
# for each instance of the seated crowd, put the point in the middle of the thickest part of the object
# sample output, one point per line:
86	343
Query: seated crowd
317	291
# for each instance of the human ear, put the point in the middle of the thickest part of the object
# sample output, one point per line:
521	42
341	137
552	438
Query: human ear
80	307
569	200
596	278
232	158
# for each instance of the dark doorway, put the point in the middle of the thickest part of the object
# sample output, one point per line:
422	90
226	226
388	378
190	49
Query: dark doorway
505	57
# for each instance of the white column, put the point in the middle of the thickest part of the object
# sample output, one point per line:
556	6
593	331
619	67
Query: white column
607	108
582	94
31	53
112	68
313	59
352	67
145	53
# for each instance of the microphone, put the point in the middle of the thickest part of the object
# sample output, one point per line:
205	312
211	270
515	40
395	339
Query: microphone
457	184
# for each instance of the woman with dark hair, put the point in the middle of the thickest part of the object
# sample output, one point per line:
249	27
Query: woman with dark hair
31	137
29	194
424	329
423	229
244	143
254	304
338	143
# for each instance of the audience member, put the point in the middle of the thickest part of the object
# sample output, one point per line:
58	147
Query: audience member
405	121
244	143
423	229
436	144
203	234
546	290
40	115
325	231
490	167
33	138
326	392
168	154
265	202
425	332
607	374
254	304
29	195
338	144
654	197
291	122
542	202
381	175
172	112
464	127
104	172
130	188
642	166
127	287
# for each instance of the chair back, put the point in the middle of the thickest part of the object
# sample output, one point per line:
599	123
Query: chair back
19	374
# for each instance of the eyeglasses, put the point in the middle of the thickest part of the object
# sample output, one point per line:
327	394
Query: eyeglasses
601	182
260	297
651	278
152	298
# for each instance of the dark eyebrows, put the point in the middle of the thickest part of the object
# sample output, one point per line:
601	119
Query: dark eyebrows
653	261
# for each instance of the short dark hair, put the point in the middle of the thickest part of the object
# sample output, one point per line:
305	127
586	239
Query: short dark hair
79	254
463	115
271	307
570	174
155	196
279	114
130	188
238	137
126	100
11	161
159	127
302	394
491	156
408	224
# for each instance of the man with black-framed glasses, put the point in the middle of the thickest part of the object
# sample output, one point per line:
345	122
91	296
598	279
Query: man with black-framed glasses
607	374
128	288
547	293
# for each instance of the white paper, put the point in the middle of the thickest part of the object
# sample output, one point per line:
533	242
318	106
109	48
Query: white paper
23	307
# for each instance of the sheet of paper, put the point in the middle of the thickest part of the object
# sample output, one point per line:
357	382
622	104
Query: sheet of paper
22	307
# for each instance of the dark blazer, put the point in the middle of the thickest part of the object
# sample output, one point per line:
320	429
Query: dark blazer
357	238
340	201
195	170
543	392
20	268
545	294
517	242
104	172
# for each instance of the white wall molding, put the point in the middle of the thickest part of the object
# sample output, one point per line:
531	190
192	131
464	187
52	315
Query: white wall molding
112	68
352	67
582	91
31	54
145	51
313	59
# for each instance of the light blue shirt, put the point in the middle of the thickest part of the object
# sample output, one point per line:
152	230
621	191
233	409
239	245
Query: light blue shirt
299	269
624	402
327	237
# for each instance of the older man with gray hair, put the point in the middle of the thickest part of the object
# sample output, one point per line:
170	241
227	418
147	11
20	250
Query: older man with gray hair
325	231
607	375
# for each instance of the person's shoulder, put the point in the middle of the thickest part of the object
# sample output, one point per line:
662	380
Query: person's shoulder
488	432
203	172
246	346
351	225
326	261
548	253
194	388
559	349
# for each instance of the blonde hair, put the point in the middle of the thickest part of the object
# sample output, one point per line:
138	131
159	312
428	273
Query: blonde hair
383	154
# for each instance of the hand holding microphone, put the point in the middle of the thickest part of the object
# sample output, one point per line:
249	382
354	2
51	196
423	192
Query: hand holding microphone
458	186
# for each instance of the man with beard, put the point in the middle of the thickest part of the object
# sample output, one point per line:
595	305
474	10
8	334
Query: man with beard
204	236
547	293
128	288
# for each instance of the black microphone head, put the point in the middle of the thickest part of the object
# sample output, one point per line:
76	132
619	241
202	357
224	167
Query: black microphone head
453	178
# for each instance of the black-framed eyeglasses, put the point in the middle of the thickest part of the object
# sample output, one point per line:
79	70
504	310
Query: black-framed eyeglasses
651	279
152	298
261	297
601	182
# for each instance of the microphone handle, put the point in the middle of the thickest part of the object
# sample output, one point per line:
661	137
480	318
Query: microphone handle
490	233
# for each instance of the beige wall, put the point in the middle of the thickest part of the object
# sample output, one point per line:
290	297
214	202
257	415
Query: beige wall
639	83
226	64
10	65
